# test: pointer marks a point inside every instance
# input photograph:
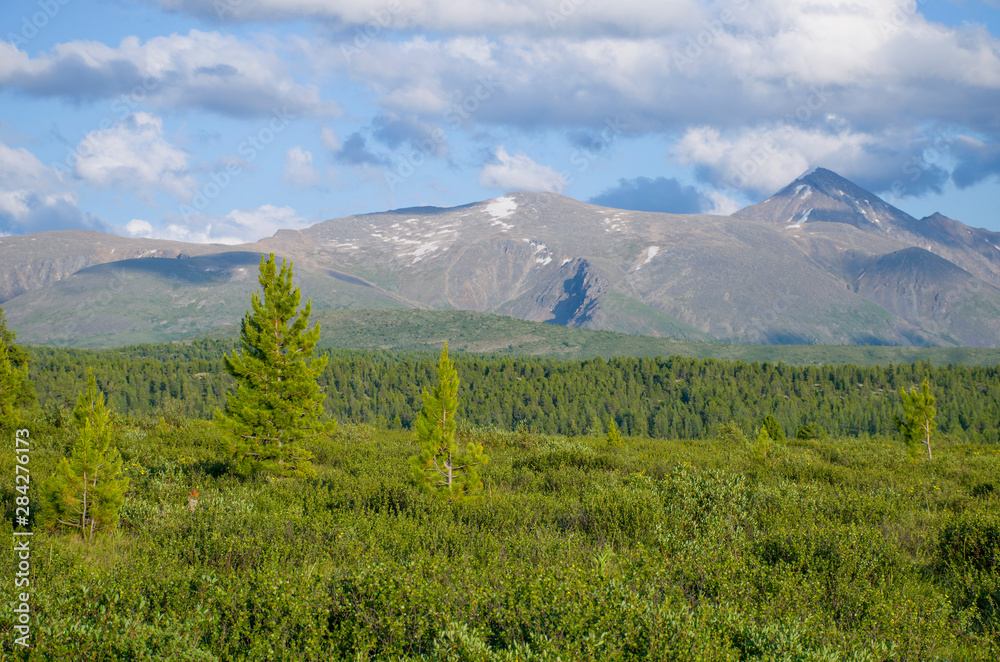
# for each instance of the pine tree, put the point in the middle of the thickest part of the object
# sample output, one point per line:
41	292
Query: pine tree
277	402
917	422
15	386
614	437
774	429
87	490
442	467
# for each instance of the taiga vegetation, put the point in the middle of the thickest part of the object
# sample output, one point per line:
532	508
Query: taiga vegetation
669	509
674	397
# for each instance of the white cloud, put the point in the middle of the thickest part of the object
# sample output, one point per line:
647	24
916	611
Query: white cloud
299	171
873	63
139	228
722	205
237	227
34	197
134	155
204	70
520	173
765	159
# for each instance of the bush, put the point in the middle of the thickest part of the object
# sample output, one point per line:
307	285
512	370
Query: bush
971	540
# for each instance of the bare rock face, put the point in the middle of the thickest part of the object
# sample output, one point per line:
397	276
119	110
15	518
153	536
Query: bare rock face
821	261
569	297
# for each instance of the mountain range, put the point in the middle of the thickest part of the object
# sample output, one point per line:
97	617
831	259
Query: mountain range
822	261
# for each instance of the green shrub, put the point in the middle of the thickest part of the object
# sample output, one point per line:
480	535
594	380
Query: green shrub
971	540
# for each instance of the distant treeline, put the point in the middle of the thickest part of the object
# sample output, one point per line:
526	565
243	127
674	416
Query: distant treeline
660	397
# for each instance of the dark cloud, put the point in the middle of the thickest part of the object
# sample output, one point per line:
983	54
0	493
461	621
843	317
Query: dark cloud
43	215
207	70
976	162
916	179
394	132
355	151
73	78
220	70
660	194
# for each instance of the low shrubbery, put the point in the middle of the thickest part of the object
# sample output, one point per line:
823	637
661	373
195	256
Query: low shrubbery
823	549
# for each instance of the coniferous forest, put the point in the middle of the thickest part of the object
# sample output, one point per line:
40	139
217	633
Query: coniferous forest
673	397
481	508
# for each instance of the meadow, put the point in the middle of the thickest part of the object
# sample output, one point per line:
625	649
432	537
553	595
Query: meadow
842	548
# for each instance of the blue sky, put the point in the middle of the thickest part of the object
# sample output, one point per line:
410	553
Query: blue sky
225	120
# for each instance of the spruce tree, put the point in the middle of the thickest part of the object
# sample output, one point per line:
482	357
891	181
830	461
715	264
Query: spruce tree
614	437
87	490
15	387
443	468
765	443
277	402
774	429
917	422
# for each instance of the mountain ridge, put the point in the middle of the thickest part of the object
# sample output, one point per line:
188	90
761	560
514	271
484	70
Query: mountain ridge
809	265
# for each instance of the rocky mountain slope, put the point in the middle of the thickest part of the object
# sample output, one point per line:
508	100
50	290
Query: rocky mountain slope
821	261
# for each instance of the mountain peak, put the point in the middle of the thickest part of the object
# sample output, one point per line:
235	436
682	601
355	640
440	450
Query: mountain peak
820	173
834	185
821	195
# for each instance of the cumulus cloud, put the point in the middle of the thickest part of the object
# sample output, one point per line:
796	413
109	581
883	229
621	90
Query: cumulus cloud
34	197
765	159
761	64
134	155
203	70
838	72
299	170
660	194
519	173
239	226
726	75
139	228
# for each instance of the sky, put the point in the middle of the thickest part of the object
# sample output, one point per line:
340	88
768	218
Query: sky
225	120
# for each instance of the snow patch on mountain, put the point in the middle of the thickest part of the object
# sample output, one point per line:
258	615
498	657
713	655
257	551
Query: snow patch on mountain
502	207
796	221
424	249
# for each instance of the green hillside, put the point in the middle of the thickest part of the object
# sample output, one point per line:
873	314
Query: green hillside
426	330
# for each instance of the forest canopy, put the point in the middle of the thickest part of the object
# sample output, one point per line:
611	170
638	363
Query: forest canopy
672	397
